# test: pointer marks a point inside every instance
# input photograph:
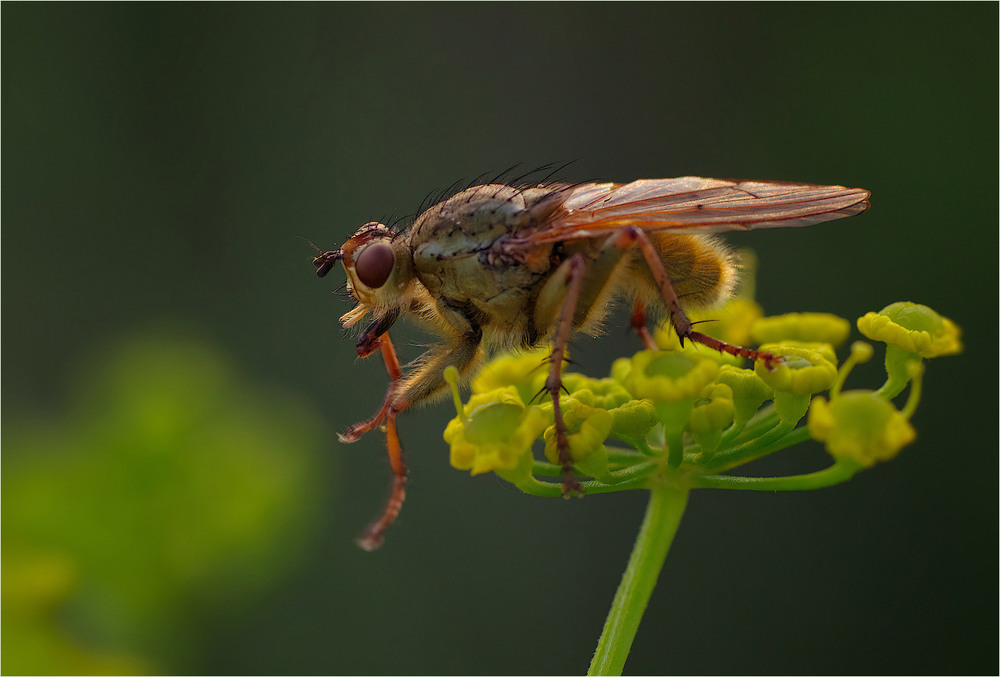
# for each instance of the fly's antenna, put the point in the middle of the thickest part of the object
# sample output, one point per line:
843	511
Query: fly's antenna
325	261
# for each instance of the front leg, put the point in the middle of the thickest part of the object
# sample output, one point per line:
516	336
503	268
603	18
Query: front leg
354	433
426	380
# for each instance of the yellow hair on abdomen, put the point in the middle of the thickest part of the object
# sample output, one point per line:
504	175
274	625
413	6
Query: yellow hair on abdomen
700	268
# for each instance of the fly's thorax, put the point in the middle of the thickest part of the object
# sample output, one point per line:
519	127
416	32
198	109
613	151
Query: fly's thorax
379	266
478	216
463	241
463	257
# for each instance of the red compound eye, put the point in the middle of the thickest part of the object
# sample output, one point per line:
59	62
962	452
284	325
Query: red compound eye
374	264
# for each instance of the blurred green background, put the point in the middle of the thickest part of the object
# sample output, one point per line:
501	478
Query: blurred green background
174	497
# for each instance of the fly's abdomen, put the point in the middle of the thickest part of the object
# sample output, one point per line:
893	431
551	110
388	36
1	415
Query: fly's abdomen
699	267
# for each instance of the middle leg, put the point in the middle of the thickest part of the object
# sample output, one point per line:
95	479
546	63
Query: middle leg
638	321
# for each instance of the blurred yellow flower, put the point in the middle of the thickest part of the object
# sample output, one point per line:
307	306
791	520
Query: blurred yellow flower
811	327
860	426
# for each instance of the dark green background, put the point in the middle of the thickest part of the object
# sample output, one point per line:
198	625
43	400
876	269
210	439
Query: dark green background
159	162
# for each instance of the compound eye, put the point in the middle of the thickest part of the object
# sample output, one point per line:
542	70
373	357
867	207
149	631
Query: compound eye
374	264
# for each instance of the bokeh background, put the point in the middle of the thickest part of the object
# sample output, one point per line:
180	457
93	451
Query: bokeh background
174	497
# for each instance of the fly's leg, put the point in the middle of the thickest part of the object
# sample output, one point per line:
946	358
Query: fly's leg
373	537
574	269
565	302
354	433
678	318
427	379
638	321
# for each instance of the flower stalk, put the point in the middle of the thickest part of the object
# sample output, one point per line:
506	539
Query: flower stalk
663	517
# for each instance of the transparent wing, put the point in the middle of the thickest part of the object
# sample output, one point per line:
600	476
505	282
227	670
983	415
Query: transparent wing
692	204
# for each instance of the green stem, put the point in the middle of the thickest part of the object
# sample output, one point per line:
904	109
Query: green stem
764	420
781	437
639	479
835	474
663	515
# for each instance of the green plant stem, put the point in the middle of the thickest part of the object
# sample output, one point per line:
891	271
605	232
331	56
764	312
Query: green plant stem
636	477
663	515
781	437
837	473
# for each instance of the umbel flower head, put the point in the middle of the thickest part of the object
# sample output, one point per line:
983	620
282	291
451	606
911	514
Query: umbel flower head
683	416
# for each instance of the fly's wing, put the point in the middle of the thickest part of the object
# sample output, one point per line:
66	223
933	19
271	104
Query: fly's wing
692	204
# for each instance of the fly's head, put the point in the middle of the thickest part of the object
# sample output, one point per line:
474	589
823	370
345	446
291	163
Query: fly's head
379	267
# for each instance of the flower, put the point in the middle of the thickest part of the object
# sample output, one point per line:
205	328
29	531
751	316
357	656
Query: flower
860	426
913	328
605	393
672	382
526	371
714	411
749	391
804	371
620	369
632	420
493	430
811	327
711	414
669	376
665	402
586	429
863	426
911	333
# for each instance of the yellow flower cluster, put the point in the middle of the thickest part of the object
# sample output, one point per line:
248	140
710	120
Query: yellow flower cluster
686	405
